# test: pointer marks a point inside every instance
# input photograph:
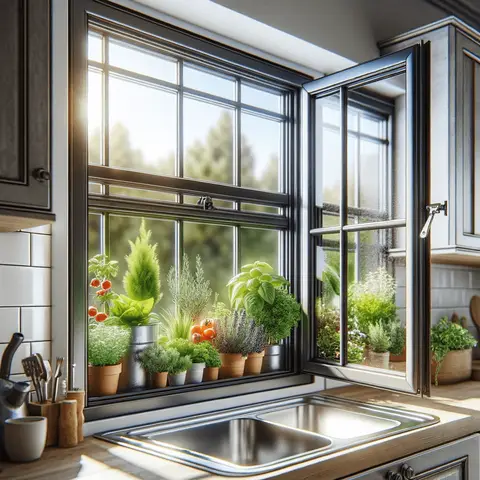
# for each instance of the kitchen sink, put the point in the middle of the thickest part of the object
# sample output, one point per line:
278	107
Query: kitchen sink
266	437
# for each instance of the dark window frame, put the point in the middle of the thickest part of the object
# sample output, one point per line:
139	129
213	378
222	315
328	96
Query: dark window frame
83	14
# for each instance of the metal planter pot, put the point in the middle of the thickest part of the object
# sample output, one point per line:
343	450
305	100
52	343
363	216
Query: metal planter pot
195	374
177	379
133	375
274	358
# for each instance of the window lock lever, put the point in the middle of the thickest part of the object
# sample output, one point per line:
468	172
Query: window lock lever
433	209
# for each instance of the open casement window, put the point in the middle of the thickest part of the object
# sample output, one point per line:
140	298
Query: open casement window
365	267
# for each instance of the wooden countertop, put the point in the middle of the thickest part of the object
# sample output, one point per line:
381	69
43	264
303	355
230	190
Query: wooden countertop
458	407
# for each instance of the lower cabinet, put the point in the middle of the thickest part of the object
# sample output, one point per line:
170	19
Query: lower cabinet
458	460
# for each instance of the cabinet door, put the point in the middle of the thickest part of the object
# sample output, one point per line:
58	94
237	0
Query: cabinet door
365	267
24	100
453	461
467	158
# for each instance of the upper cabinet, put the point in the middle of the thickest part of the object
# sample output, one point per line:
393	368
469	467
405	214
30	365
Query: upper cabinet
454	133
25	114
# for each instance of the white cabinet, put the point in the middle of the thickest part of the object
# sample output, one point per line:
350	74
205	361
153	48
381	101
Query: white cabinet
454	135
454	461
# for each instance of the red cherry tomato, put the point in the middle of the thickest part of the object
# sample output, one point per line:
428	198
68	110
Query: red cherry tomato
101	317
207	323
101	293
209	333
95	283
196	329
92	311
106	284
197	338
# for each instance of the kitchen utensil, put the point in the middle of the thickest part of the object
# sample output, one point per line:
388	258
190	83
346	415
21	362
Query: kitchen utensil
51	411
32	370
48	369
42	375
26	438
7	357
68	426
475	311
56	377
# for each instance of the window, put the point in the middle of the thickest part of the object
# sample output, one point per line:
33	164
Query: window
169	129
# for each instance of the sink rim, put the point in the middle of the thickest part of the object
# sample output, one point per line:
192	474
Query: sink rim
136	437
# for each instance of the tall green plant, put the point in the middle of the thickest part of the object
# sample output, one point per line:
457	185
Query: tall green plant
142	279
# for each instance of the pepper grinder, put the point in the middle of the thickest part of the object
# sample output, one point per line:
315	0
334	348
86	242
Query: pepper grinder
68	425
79	396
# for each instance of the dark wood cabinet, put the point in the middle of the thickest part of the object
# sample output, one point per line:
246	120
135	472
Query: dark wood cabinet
25	175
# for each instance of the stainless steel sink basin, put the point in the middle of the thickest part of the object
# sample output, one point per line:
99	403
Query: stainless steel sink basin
270	436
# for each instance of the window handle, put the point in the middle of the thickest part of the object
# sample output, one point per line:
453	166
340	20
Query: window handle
433	209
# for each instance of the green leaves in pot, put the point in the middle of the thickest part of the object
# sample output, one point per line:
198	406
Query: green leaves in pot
177	363
254	287
397	338
378	338
131	313
446	337
155	359
107	345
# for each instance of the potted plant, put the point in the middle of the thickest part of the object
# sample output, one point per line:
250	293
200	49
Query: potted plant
212	362
451	346
177	367
135	309
397	343
197	355
155	360
233	343
173	326
106	347
379	342
256	354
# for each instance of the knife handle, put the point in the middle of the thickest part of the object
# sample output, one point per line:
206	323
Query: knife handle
7	357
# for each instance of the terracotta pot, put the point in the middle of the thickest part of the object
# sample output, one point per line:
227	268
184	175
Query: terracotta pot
379	360
456	367
399	358
103	380
210	374
253	363
233	365
159	379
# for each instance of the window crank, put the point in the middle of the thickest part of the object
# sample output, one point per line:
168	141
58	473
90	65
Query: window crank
433	209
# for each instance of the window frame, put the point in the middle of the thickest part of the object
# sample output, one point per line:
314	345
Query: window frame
83	14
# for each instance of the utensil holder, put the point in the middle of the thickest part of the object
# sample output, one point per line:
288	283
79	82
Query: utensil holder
51	411
79	396
68	427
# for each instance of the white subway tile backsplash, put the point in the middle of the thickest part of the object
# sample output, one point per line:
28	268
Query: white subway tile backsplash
25	286
15	248
36	323
43	348
9	323
41	250
22	352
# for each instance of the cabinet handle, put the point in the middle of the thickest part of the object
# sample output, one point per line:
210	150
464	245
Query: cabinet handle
393	476
407	471
433	209
41	175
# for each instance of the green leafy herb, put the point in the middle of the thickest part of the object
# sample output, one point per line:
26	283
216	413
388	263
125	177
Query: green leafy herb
446	337
378	338
155	359
107	345
131	313
397	338
173	326
100	267
177	363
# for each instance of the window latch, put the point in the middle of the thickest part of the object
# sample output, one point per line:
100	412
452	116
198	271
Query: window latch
433	209
206	203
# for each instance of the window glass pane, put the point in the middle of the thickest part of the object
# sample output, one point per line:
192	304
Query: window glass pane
370	126
143	194
261	152
193	200
259	244
377	300
208	81
260	208
372	176
143	127
214	243
139	60
95	117
261	98
95	47
124	228
94	234
208	141
95	188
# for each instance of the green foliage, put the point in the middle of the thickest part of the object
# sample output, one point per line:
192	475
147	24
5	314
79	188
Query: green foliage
202	352
210	355
279	318
176	362
173	326
328	337
190	292
219	309
254	287
397	338
100	267
155	359
446	337
372	301
107	345
378	338
142	279
239	334
130	313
